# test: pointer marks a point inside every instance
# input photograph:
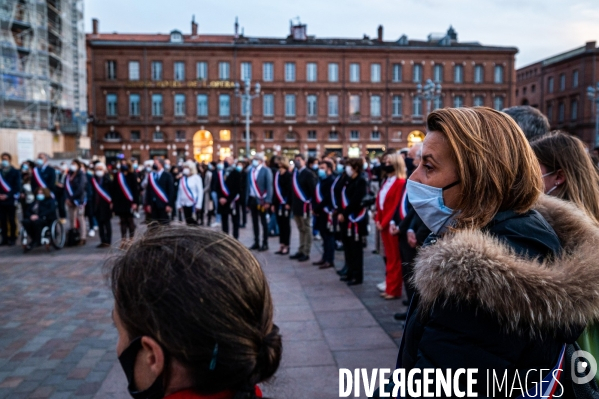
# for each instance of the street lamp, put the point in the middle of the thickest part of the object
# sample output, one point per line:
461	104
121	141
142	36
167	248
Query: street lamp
593	95
246	98
429	92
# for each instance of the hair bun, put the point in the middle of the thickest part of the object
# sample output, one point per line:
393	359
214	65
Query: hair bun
269	355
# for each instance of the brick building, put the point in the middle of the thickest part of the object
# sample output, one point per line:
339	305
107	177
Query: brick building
174	94
557	86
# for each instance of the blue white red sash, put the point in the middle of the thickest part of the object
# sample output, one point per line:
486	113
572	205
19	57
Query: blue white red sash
105	196
38	178
546	388
330	223
353	224
223	185
67	185
299	194
187	190
233	205
278	190
124	187
4	185
344	200
254	181
318	194
159	193
403	204
333	199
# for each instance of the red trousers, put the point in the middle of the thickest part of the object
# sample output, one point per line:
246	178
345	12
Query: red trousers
393	279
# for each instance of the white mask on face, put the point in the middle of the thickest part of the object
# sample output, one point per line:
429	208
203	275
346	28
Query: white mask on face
99	173
186	171
73	168
349	171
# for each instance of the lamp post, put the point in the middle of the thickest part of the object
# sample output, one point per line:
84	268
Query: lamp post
246	98
429	92
593	95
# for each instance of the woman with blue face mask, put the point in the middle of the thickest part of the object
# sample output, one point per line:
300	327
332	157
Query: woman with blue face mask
496	283
40	213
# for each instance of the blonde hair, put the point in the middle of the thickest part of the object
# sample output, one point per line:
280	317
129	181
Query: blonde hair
193	170
561	151
496	167
399	164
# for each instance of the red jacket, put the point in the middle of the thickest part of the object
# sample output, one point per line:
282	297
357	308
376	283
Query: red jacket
385	215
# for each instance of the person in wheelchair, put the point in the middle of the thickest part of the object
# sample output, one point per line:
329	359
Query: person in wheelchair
39	214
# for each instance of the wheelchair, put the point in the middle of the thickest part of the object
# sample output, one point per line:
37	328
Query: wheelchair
52	234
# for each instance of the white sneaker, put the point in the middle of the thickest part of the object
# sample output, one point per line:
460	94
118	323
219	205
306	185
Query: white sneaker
317	237
96	228
215	224
92	233
382	286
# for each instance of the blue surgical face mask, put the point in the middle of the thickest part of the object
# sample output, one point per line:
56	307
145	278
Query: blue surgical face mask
315	166
40	197
255	163
322	173
5	163
220	166
39	162
340	168
429	205
239	168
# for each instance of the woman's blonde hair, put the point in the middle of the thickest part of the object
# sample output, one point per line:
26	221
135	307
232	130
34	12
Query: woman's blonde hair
193	169
396	160
558	150
496	167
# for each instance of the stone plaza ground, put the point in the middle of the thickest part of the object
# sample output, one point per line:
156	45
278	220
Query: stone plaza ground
57	339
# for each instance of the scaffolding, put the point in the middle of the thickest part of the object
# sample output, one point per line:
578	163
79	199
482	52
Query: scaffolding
42	63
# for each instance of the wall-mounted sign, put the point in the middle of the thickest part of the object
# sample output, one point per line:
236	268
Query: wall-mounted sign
215	84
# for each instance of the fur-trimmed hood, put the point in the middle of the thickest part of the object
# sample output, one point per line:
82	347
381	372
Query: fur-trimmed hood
523	294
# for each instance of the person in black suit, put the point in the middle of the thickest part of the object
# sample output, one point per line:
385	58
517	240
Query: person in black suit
125	193
281	204
228	191
303	183
323	209
10	188
260	192
43	174
101	202
160	193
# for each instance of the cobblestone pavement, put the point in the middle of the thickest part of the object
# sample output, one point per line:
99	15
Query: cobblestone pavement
57	339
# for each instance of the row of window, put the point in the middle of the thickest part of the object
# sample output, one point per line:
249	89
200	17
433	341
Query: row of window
268	72
562	82
561	111
268	105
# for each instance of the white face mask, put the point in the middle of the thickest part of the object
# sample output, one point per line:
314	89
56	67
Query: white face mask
349	171
552	188
99	173
429	205
186	171
73	168
64	168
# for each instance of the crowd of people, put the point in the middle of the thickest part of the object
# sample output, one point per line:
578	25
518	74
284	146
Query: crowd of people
491	226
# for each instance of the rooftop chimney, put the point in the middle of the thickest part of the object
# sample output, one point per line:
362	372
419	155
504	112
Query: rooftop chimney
95	24
380	33
194	26
236	29
590	45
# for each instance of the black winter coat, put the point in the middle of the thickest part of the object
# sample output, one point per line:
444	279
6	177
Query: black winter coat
484	300
78	185
100	206
232	180
355	191
45	210
12	177
285	189
320	208
306	182
120	204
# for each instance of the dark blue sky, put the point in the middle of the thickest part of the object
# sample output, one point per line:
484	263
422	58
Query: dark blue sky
539	28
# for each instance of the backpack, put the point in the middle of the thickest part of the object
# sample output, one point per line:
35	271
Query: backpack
73	237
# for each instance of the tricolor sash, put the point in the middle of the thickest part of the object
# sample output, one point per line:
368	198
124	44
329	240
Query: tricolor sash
124	187
187	190
330	223
318	194
344	200
67	185
4	185
299	194
159	193
333	200
254	181
282	201
233	205
546	388
223	185
403	204
105	196
38	178
353	224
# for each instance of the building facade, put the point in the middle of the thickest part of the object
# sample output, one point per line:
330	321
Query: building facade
557	86
174	95
43	100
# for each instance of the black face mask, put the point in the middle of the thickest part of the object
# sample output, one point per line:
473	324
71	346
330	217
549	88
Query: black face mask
127	360
124	168
226	164
388	168
155	167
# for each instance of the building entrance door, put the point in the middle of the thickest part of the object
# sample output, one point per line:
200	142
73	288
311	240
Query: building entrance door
203	146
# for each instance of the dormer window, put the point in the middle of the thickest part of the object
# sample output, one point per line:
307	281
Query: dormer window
176	37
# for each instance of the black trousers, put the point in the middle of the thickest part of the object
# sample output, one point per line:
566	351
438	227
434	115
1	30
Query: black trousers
408	254
89	212
354	257
243	218
258	217
8	223
225	213
127	224
328	245
160	215
34	229
60	204
105	230
188	213
284	223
